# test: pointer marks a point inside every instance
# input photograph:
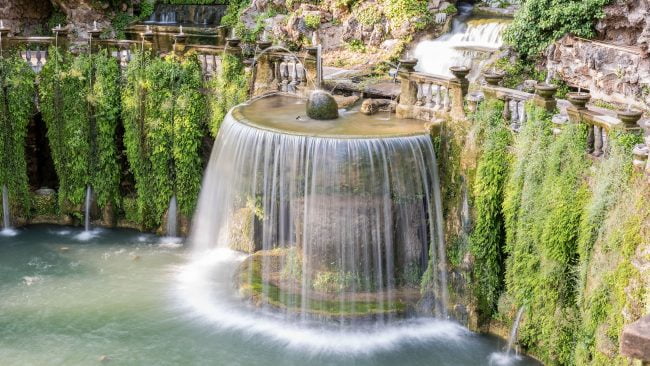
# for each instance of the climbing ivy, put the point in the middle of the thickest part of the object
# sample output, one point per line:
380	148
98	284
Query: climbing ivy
488	236
229	88
80	104
163	113
17	93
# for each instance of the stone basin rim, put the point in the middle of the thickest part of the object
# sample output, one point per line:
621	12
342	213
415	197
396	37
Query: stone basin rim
238	115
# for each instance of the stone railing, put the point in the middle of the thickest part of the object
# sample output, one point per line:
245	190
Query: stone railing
275	70
514	107
429	97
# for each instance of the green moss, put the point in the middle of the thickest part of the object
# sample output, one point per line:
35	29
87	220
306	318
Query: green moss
368	14
44	206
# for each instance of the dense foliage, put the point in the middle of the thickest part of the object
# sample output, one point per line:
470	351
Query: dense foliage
571	230
80	104
540	22
488	237
163	114
17	93
229	88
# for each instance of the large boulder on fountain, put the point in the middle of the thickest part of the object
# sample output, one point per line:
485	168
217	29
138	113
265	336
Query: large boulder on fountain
321	105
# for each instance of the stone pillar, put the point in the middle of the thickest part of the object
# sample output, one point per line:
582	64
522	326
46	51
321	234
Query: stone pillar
148	37
409	89
94	38
61	37
233	48
458	87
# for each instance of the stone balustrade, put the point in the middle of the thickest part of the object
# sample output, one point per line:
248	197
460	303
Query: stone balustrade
514	107
275	71
430	97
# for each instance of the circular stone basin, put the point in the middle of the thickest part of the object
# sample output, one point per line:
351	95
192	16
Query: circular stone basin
630	117
546	91
493	78
286	114
579	100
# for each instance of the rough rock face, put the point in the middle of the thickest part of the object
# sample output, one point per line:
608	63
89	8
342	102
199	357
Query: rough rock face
610	72
626	22
24	16
81	14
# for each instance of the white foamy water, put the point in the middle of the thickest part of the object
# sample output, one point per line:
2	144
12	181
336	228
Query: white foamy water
468	43
204	288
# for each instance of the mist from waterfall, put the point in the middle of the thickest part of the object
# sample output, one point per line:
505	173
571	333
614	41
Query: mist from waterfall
467	44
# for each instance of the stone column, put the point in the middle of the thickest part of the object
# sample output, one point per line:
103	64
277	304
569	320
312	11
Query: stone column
179	43
458	88
4	33
409	93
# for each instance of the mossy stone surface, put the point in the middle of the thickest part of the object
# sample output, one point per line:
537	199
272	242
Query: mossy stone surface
322	106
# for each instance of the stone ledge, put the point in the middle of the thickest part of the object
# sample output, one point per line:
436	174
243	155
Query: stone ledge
635	341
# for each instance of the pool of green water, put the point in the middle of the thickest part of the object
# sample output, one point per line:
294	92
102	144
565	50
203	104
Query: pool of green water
113	297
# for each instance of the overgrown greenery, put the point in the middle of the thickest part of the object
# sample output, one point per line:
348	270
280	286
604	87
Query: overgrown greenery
164	120
488	237
80	106
17	93
229	88
540	22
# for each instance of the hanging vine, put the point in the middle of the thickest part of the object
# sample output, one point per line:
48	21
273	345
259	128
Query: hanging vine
80	105
163	115
230	88
17	83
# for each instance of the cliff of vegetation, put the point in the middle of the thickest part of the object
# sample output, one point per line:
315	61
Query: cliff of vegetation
535	222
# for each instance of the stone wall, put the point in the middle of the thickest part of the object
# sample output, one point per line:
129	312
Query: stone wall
24	16
610	72
615	66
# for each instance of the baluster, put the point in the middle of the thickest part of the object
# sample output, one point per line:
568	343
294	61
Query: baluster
284	75
590	140
598	141
437	97
39	59
302	74
447	100
420	95
428	94
506	109
514	112
521	105
605	139
293	76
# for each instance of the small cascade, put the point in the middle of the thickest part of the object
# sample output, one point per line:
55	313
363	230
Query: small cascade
171	229
513	332
199	15
470	41
87	209
6	215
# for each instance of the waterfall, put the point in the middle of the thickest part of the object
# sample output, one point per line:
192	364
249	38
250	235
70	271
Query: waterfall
469	42
187	14
172	218
340	227
513	332
6	215
87	208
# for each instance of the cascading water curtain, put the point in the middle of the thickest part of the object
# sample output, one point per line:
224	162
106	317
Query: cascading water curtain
17	107
340	228
164	121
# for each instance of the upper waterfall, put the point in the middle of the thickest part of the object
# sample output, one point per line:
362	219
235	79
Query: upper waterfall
469	42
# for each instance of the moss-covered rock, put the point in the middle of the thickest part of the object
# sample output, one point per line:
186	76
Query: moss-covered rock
321	105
